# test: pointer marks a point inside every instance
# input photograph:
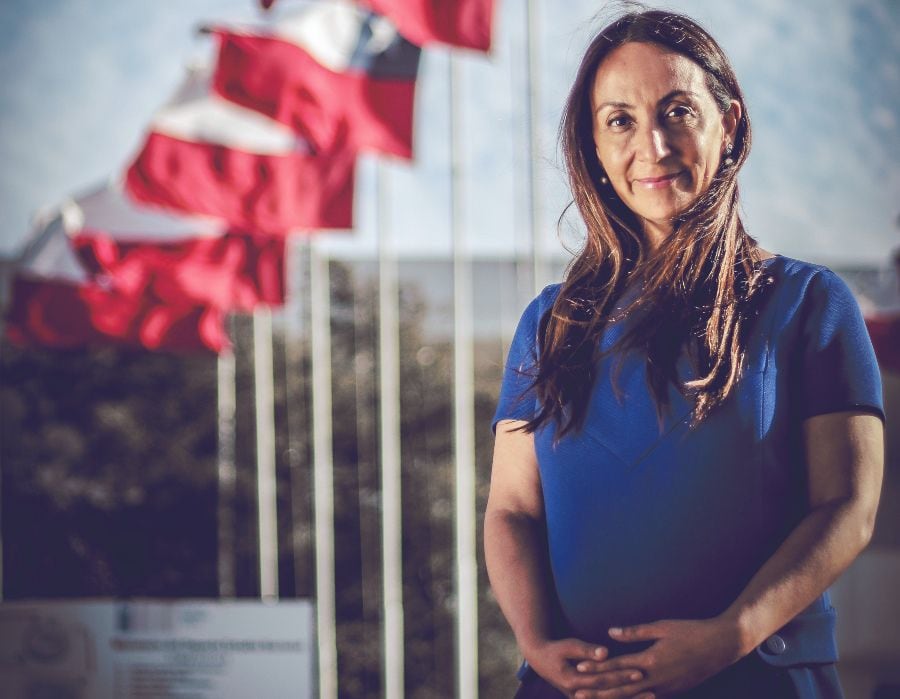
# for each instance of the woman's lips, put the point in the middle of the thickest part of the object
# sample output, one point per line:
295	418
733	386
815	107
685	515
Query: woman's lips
658	182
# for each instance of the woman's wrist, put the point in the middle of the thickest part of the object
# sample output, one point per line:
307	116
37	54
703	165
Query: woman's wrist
739	631
530	644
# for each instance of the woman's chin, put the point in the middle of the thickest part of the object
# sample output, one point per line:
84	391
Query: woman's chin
661	213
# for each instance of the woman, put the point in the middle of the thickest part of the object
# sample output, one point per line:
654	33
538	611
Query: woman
689	436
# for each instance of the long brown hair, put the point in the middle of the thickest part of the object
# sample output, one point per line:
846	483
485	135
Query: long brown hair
700	289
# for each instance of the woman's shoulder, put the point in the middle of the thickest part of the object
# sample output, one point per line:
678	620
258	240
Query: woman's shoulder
548	294
542	302
798	278
794	267
809	290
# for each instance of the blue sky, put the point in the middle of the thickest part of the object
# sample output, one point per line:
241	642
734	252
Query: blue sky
822	80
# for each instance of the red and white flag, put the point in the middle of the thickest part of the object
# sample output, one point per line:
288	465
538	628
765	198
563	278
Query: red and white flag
55	303
206	155
179	258
463	23
333	72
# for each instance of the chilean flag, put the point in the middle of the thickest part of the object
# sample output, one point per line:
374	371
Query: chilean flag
55	303
333	72
206	155
463	23
177	258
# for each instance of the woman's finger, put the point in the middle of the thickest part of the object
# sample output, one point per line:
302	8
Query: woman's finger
627	691
641	632
576	650
571	683
623	669
613	680
632	661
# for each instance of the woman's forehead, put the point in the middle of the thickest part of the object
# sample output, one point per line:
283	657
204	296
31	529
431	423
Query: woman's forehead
637	73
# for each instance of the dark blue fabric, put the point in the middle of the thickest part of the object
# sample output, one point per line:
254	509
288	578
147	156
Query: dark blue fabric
648	521
807	638
396	60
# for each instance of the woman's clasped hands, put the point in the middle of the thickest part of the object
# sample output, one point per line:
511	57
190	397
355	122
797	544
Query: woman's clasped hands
682	654
571	665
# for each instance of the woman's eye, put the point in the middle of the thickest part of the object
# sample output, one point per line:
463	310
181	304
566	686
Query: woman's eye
679	112
618	122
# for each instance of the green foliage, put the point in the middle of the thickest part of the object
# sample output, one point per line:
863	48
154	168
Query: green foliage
109	480
108	465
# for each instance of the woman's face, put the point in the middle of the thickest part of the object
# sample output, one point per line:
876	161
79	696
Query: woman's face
659	134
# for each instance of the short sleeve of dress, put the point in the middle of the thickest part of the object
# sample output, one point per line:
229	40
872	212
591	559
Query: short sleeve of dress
837	366
517	397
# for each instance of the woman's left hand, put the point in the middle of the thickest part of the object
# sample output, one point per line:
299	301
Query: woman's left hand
683	654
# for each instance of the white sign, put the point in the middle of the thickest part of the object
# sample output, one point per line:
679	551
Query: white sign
144	649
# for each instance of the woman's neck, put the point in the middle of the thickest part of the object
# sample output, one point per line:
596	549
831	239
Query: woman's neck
655	234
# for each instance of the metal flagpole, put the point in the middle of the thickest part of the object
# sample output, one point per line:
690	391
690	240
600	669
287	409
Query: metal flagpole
537	251
225	374
267	507
464	420
389	391
323	464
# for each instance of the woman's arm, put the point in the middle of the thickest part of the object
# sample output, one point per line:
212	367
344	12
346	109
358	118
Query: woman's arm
845	460
845	463
515	553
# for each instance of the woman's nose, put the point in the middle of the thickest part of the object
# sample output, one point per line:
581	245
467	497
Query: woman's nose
652	144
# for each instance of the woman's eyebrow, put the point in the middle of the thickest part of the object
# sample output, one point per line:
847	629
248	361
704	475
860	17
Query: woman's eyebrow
677	93
665	98
616	105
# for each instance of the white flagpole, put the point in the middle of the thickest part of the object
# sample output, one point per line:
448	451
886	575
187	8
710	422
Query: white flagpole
464	420
296	405
368	462
532	83
267	507
225	374
389	390
323	464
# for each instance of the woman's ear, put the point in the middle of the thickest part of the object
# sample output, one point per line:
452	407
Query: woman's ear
730	120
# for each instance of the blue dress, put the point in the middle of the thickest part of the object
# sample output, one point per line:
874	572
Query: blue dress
648	521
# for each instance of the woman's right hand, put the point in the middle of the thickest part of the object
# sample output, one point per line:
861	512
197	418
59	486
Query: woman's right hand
557	663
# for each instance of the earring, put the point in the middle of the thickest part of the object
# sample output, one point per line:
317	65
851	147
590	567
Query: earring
729	161
604	180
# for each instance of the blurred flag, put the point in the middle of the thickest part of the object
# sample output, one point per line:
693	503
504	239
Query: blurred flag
180	258
206	155
884	329
56	304
463	23
333	72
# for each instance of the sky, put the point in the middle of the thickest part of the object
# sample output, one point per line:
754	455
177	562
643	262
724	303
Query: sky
821	79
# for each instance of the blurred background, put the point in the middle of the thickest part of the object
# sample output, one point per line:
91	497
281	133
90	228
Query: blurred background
195	449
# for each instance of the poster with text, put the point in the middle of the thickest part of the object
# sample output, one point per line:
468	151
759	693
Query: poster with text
140	649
